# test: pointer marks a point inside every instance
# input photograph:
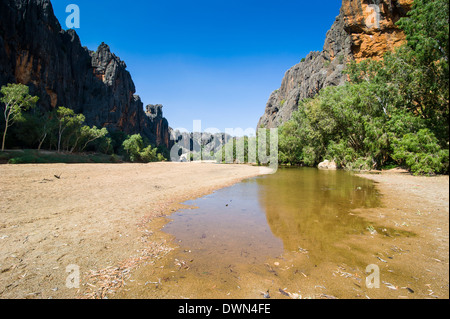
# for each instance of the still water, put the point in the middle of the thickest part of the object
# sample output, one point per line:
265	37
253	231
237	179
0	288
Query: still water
297	232
296	209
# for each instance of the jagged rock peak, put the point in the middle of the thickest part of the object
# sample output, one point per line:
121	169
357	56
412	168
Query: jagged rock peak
154	111
36	51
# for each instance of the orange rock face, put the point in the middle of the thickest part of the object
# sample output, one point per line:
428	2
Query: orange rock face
372	27
364	29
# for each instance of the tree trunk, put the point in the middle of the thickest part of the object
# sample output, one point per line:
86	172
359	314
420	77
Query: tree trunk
4	138
59	142
75	146
59	136
4	133
42	141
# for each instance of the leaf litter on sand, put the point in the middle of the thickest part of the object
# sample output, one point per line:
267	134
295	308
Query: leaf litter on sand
109	280
297	295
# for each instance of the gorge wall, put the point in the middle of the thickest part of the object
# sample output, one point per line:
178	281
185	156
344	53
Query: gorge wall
363	29
37	52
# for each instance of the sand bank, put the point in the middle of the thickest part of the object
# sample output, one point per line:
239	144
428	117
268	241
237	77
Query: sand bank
90	217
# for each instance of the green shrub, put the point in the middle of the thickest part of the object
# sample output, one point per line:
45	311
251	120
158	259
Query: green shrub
133	146
421	153
149	154
27	158
137	151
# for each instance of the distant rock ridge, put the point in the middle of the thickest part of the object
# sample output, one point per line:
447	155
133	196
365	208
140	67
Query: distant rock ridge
200	141
363	29
36	51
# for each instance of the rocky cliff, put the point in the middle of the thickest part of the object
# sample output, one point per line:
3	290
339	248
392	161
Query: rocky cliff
160	125
363	29
36	51
200	141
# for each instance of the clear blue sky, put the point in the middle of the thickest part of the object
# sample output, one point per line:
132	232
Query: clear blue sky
216	61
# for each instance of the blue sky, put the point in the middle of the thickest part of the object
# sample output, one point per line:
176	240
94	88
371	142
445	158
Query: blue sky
215	61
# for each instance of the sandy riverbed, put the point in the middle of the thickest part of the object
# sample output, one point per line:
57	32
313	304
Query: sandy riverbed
420	205
91	217
98	217
410	248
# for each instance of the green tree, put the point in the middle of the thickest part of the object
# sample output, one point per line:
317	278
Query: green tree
46	125
421	153
392	110
427	30
27	130
133	146
427	35
150	154
15	99
416	75
105	145
90	134
67	119
138	151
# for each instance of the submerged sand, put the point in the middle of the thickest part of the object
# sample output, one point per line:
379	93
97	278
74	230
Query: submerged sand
104	219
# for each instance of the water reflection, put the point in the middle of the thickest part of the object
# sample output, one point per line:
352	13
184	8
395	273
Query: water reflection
312	209
229	225
263	217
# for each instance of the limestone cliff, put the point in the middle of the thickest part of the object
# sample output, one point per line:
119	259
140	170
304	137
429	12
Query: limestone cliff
161	129
36	51
363	29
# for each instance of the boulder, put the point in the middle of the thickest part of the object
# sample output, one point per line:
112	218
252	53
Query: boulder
328	165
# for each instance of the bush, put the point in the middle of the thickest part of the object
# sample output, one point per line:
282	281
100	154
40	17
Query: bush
421	153
139	152
149	154
26	159
133	146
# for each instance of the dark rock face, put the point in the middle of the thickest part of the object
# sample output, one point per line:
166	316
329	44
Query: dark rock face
195	141
160	126
354	35
35	51
306	79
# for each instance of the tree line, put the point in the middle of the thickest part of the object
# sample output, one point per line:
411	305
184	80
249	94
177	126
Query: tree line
27	126
391	112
